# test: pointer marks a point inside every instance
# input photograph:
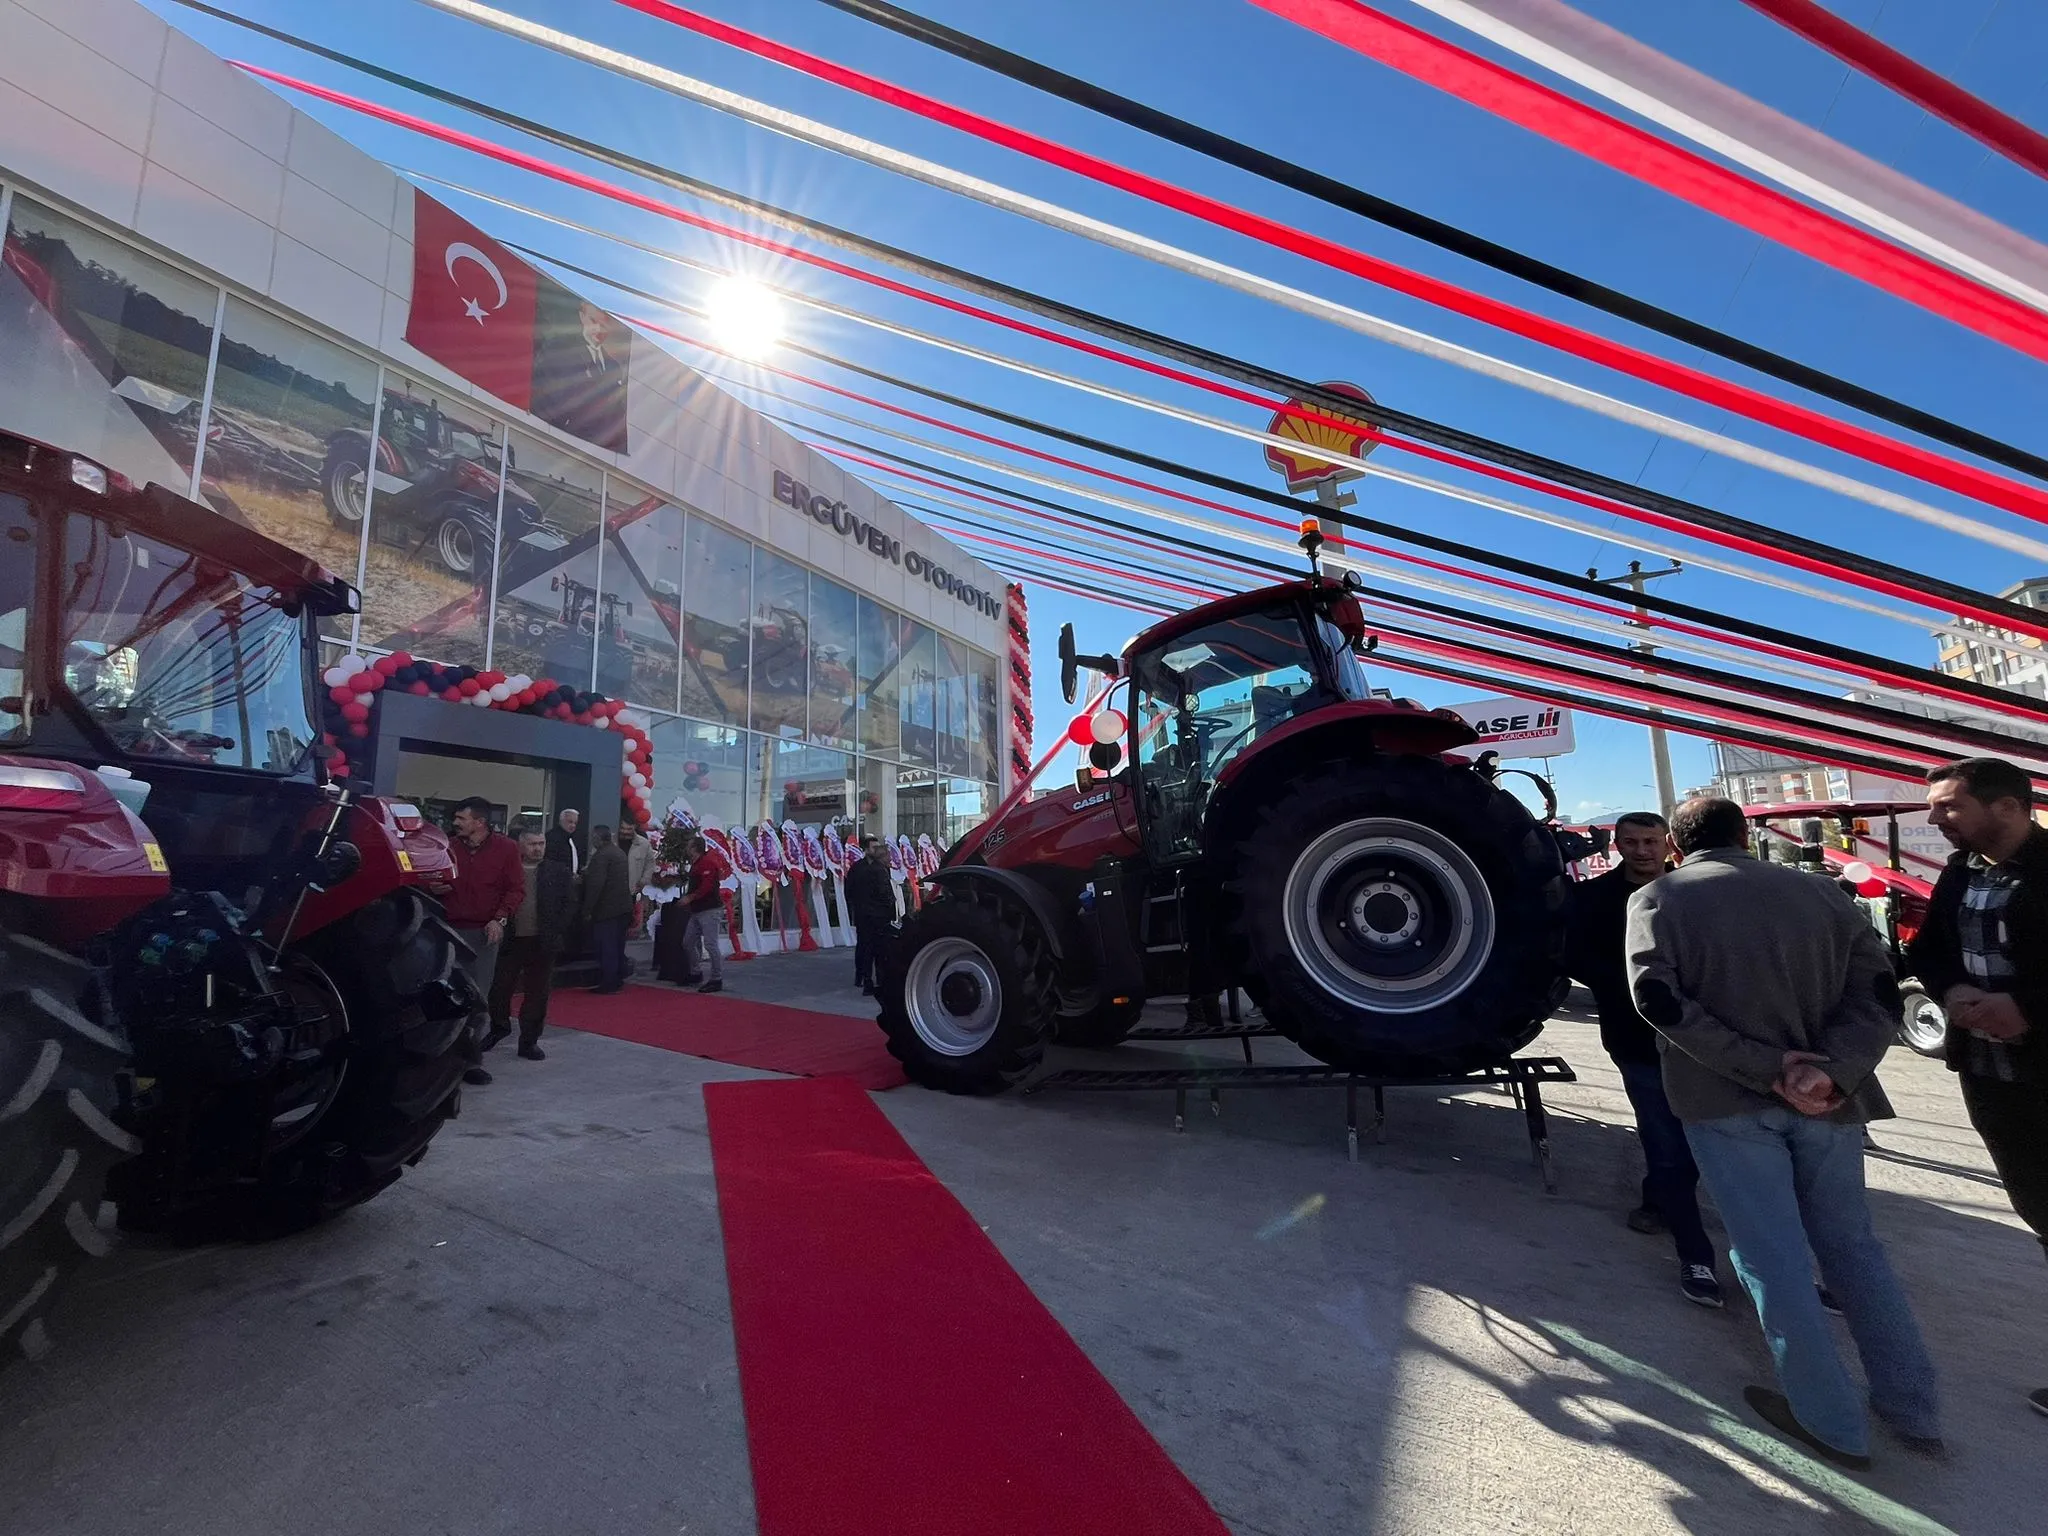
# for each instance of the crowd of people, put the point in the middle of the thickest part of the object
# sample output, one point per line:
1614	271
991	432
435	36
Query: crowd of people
1747	1006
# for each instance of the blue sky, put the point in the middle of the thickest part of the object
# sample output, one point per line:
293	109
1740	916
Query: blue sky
1233	67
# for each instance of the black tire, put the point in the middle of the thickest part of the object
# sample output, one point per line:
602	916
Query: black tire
343	464
1103	1026
1428	929
1923	1022
968	942
415	1026
59	1088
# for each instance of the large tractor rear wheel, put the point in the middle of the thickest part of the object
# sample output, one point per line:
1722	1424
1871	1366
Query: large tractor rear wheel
59	1079
967	993
1400	914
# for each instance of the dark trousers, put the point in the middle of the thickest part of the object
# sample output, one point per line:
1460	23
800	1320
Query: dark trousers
1671	1185
525	966
867	952
2013	1120
608	941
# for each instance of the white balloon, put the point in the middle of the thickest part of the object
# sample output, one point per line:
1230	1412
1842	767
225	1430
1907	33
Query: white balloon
602	723
500	692
1857	872
1106	726
334	676
351	664
480	700
639	779
519	683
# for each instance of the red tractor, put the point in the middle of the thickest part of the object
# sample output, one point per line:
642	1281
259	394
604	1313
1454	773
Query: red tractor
1266	823
229	1004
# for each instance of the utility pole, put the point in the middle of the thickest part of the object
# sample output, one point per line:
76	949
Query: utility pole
1660	745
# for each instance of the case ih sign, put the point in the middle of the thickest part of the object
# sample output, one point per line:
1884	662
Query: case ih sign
1516	728
1299	463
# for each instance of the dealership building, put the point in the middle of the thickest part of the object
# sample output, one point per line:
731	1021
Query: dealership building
204	287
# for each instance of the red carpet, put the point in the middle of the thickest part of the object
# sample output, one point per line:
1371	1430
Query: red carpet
736	1030
900	1379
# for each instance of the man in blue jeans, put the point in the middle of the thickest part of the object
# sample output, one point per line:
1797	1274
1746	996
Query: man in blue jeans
1597	957
1776	1001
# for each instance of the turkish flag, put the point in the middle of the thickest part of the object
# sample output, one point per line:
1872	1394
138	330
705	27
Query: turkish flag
473	303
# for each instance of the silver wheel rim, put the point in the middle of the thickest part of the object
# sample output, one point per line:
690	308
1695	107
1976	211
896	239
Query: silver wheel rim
1926	1022
953	996
1388	915
351	491
458	547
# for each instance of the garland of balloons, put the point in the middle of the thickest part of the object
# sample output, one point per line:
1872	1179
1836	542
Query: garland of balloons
354	682
1019	618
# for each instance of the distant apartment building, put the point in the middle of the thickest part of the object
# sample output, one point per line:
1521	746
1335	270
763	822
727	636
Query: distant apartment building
2018	662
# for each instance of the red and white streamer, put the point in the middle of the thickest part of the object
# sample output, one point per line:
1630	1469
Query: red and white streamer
1721	119
1017	619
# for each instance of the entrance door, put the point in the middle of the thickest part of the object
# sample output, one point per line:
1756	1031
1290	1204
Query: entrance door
436	782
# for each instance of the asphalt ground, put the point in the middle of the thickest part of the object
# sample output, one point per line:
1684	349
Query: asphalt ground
530	1333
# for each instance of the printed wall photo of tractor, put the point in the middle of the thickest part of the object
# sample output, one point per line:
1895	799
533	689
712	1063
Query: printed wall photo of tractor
1266	824
229	1004
437	486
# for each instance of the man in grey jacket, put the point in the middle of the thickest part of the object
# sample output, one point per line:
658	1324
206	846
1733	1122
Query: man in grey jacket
1775	1002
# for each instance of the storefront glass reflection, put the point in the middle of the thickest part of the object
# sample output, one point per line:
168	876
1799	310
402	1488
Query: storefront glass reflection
835	648
643	592
549	617
782	641
717	595
288	411
920	693
104	348
711	768
880	672
432	506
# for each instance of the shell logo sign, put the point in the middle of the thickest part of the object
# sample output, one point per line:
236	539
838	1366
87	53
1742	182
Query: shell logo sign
1299	463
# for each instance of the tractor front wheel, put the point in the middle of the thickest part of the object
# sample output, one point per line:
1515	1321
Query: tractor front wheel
967	993
1399	914
59	1082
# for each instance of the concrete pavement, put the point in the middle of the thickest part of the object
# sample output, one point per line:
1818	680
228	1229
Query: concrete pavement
530	1333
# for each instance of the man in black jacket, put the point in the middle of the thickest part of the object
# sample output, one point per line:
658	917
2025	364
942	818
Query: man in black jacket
873	908
1983	950
607	907
526	962
1598	957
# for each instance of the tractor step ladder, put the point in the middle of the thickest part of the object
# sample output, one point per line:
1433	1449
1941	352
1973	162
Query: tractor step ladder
1521	1076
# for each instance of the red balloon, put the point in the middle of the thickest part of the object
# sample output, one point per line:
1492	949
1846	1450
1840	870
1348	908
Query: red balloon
385	665
419	688
369	680
1874	886
1080	731
399	659
470	687
327	738
359	730
341	695
355	712
452	695
490	679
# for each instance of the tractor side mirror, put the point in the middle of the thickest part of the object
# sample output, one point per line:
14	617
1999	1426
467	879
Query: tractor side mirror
1070	668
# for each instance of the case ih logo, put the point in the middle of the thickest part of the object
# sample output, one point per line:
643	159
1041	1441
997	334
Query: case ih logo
1516	728
1301	465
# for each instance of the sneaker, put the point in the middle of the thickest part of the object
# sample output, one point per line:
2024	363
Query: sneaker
712	986
1828	1304
1775	1411
1699	1285
476	1077
2039	1401
532	1053
1646	1221
496	1035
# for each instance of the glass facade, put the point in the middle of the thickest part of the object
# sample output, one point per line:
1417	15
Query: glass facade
778	693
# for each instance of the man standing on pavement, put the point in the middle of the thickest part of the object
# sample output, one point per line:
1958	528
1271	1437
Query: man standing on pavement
1776	1002
704	906
1983	950
873	909
607	908
526	961
1597	956
562	842
639	869
489	886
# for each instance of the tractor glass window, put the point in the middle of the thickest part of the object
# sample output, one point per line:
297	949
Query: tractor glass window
177	659
17	583
1204	698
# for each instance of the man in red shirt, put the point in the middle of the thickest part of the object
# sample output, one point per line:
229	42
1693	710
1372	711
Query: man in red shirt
490	884
702	910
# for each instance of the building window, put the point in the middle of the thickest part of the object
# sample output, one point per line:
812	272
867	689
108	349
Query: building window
985	709
105	348
880	670
549	621
718	579
642	600
710	769
782	645
919	699
433	522
835	664
287	442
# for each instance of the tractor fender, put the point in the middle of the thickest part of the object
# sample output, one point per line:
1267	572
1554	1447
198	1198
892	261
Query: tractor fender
74	858
1034	897
1356	729
386	867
